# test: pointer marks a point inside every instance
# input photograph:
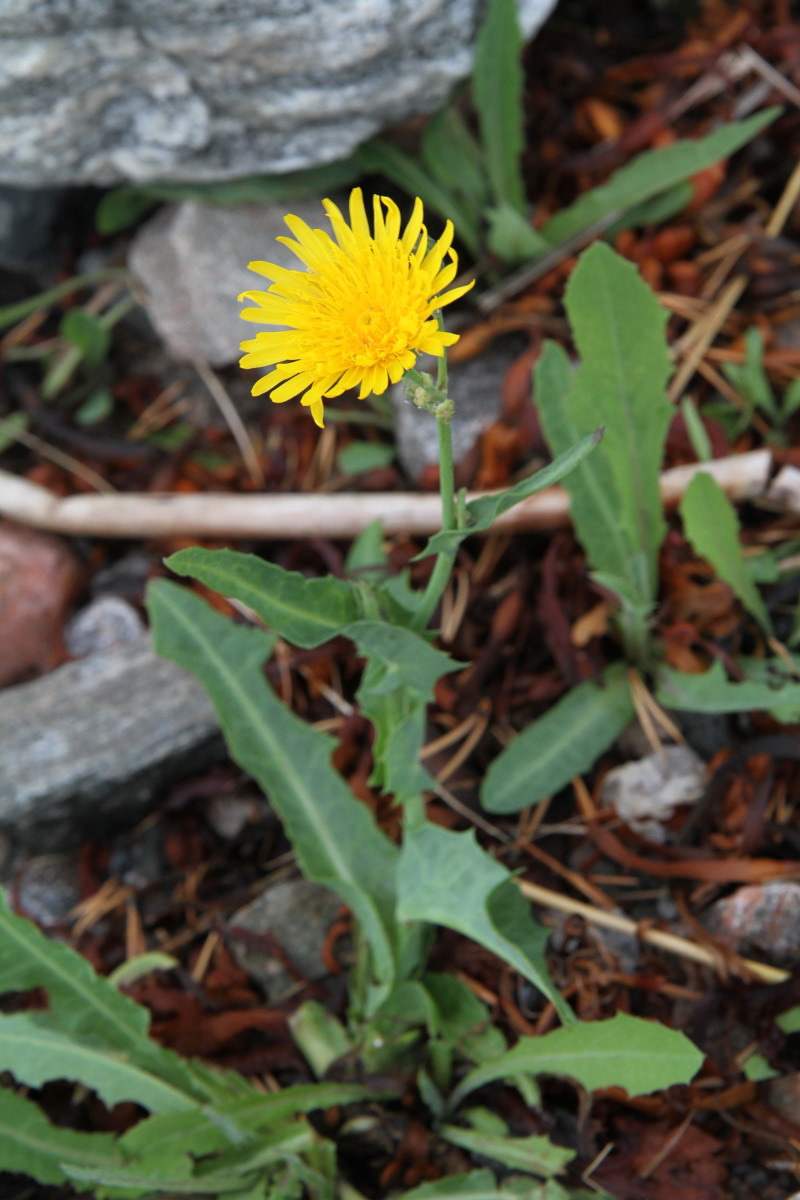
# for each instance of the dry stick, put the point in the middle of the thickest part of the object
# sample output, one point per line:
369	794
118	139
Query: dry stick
709	326
235	422
340	515
14	432
670	942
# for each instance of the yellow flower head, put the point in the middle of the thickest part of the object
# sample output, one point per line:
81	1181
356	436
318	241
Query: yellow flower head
359	313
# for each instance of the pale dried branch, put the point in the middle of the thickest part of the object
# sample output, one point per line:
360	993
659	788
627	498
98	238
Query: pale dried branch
340	515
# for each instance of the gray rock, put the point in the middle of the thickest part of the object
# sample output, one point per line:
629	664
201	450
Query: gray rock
229	815
101	92
27	217
107	622
297	914
89	747
762	920
646	793
47	887
191	260
474	386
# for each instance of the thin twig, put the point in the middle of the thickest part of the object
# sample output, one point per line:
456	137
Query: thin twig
235	422
59	457
669	942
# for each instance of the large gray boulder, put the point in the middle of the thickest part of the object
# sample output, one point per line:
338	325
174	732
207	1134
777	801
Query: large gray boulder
103	91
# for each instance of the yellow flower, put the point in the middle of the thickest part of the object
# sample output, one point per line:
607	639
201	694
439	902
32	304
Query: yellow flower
359	313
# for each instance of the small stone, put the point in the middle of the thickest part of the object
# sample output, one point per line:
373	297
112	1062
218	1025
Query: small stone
47	888
88	749
297	914
107	622
39	577
191	260
761	920
646	793
474	386
137	856
228	816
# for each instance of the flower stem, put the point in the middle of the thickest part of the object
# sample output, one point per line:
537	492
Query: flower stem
444	560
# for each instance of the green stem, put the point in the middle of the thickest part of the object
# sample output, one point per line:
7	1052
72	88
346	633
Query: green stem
444	560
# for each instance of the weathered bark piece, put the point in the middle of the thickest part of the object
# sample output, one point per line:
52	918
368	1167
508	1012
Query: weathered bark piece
91	747
102	92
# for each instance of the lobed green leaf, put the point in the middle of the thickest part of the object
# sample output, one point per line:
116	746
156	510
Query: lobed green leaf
535	1154
306	612
335	837
447	879
35	1054
713	692
31	1145
628	1052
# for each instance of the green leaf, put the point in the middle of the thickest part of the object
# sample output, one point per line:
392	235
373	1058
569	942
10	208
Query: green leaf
89	1006
640	1056
395	689
306	612
85	1004
710	523
696	431
484	510
367	559
592	493
713	692
122	207
477	1185
10	314
399	658
96	407
453	158
656	211
35	1055
382	158
481	1185
757	1068
652	172
536	1155
619	330
87	333
463	1021
334	836
512	237
134	969
30	1145
357	458
497	87
750	379
17	422
565	742
447	879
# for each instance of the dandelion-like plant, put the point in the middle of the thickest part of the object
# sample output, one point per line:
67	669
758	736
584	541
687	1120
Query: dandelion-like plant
360	311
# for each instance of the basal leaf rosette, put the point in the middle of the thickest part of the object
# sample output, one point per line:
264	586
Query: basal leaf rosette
360	310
